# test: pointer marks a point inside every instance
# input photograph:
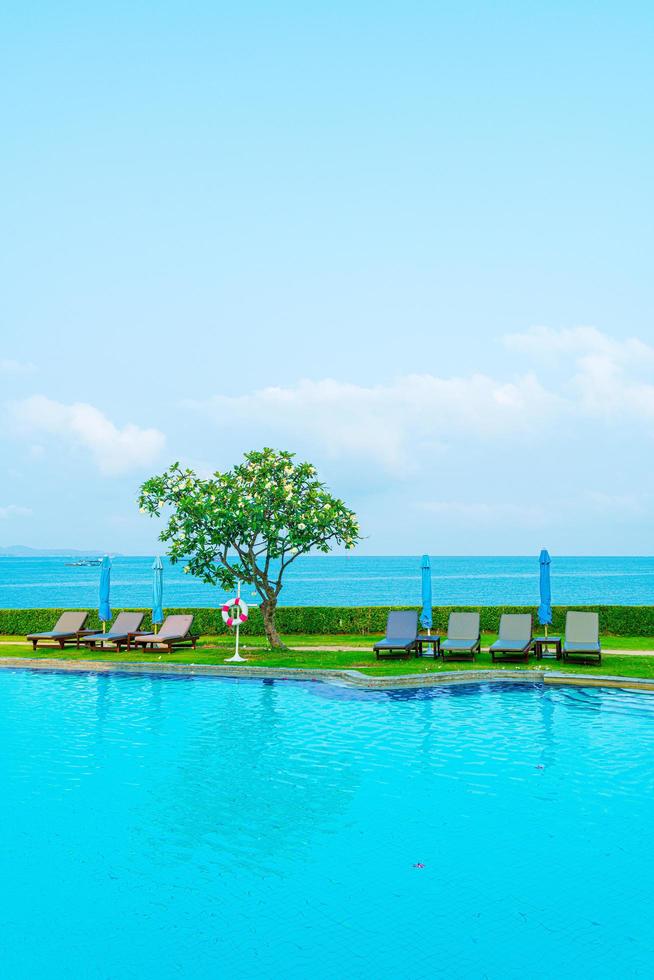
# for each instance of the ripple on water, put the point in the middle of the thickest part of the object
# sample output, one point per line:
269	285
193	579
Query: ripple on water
203	827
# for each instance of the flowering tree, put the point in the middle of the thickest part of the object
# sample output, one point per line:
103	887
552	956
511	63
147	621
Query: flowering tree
250	523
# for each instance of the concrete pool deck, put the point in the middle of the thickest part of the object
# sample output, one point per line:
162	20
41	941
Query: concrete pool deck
349	678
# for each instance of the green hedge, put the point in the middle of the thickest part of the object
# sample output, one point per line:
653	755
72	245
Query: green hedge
615	620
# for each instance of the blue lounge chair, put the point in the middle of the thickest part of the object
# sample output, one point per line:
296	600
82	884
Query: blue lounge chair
401	634
463	637
582	636
515	639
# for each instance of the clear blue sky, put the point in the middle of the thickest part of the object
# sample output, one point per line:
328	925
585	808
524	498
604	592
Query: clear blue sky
355	205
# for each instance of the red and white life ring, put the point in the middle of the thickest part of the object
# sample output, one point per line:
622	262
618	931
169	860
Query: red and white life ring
234	611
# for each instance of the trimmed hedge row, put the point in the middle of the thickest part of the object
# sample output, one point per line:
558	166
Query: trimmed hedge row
365	620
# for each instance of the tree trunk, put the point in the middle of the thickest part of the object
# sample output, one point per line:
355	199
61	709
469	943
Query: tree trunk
268	607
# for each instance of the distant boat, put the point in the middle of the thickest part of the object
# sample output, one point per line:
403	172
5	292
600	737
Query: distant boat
86	562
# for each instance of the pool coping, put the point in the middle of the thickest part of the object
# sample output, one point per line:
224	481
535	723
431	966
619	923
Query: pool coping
349	678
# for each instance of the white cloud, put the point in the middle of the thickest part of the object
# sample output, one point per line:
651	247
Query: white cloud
113	450
389	423
9	366
604	377
532	513
13	510
633	504
483	512
580	342
578	384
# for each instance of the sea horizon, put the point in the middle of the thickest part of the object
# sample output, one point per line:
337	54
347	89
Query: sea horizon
341	580
99	553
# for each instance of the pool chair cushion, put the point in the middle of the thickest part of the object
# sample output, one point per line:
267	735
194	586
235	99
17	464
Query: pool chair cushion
582	647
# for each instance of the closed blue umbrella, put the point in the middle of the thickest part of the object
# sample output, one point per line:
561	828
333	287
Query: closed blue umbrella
425	573
545	608
157	592
104	609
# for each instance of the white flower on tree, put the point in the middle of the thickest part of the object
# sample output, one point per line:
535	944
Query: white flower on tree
249	523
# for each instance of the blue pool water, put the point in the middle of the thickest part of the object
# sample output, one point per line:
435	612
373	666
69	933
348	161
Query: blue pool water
341	581
156	828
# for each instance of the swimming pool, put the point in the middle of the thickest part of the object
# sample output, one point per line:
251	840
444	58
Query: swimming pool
196	827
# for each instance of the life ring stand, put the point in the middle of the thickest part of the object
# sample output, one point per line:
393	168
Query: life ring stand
234	612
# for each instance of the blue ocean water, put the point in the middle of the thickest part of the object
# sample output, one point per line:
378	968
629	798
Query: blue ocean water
341	581
193	827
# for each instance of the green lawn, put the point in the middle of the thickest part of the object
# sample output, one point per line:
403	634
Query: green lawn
364	642
214	650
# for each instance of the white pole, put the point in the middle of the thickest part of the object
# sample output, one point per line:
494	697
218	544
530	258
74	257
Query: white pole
237	658
238	621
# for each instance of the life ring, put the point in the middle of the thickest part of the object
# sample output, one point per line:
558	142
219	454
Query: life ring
234	611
